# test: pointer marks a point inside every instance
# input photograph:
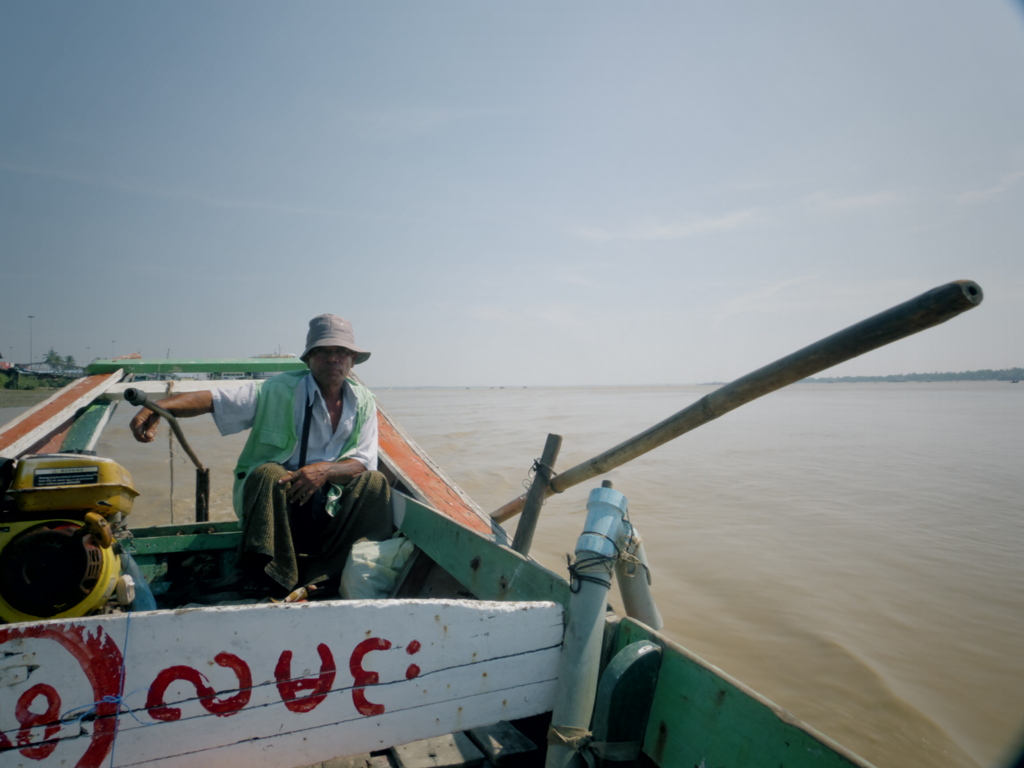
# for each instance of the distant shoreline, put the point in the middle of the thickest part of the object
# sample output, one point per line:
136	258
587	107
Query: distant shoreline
1006	374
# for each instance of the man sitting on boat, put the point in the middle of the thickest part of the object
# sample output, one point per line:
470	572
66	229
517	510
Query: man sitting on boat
306	485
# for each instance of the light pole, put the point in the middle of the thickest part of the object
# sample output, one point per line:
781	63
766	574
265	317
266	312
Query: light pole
30	339
112	342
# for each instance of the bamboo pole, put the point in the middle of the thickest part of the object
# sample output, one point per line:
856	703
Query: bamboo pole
918	314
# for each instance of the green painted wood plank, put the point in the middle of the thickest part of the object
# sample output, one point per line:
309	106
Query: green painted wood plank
190	537
227	365
87	427
182	529
202	542
700	716
487	569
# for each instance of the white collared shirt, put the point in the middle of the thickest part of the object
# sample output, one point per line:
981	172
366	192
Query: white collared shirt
235	409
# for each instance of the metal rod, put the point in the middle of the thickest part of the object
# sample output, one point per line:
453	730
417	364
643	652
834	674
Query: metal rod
925	311
139	398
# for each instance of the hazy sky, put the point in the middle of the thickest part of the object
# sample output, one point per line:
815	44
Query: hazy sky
511	193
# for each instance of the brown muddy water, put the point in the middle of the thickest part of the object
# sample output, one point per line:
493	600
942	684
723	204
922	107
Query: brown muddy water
854	552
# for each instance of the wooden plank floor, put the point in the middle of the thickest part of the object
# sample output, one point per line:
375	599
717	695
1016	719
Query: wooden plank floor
497	746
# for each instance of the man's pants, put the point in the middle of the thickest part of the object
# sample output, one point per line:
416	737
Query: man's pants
303	545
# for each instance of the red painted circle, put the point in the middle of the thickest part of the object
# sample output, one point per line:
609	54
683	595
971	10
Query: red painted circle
100	659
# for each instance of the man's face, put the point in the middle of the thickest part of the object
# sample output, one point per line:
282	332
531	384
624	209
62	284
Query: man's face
331	365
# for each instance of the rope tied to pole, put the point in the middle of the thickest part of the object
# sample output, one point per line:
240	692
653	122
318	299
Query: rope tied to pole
581	741
596	569
537	466
631	563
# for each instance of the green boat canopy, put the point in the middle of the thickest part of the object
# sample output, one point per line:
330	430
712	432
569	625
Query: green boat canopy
224	365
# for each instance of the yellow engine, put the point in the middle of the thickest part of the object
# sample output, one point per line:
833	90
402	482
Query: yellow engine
57	558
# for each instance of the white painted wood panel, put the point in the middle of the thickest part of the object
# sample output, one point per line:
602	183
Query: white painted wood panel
164	388
215	686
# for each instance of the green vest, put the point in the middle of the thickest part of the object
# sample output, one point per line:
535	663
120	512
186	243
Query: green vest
273	436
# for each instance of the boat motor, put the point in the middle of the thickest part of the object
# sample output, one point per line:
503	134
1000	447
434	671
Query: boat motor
59	517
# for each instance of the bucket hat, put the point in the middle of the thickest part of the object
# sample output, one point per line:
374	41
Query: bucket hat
332	331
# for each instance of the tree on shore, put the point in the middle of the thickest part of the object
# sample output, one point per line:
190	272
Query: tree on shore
58	362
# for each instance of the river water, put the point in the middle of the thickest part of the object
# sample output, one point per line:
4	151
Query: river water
854	552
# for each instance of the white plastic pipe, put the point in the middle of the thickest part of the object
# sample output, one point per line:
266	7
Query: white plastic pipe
634	579
596	551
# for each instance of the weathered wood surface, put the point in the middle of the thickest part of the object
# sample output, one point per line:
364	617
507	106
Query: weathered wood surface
701	716
452	750
356	761
42	428
501	743
488	571
269	685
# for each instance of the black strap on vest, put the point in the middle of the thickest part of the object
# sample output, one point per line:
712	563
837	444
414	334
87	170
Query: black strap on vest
308	520
305	433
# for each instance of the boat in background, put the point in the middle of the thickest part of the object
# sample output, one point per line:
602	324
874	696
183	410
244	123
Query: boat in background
125	646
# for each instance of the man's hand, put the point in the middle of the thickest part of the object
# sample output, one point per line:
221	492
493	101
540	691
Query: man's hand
143	425
303	483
